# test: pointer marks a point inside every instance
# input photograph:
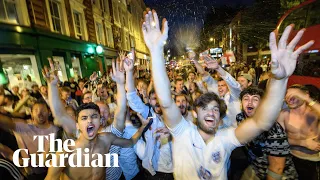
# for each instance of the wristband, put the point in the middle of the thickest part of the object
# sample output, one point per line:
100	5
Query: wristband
312	103
274	175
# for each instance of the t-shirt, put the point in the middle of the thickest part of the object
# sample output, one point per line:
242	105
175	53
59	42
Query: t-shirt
273	142
194	159
25	133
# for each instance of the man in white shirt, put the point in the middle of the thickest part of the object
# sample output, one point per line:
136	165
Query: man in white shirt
226	87
155	150
201	152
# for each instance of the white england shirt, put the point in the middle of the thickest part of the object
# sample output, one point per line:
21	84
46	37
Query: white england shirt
194	159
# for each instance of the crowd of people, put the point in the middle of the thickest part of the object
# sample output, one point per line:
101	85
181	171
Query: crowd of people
198	123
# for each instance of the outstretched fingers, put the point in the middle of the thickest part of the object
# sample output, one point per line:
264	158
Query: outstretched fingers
285	36
295	40
156	19
273	48
303	48
147	22
51	64
165	29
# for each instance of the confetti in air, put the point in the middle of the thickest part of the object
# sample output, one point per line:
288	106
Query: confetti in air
186	19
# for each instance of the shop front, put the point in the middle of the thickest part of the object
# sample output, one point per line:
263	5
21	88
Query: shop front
16	67
25	52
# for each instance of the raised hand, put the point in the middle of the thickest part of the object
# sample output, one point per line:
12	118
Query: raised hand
122	55
191	55
93	76
144	122
283	56
50	75
211	63
153	37
128	64
117	75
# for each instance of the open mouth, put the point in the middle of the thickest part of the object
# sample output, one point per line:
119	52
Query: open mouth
90	130
250	109
210	121
182	108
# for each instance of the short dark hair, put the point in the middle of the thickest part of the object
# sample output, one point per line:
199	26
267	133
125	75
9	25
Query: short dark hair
191	72
84	106
314	92
34	85
299	86
252	90
65	89
152	91
41	102
220	79
178	79
203	100
181	94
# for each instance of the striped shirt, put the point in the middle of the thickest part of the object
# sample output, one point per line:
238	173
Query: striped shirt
12	169
113	173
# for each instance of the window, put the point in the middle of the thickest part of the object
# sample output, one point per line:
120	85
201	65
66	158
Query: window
55	15
78	25
115	13
106	7
99	33
109	37
8	11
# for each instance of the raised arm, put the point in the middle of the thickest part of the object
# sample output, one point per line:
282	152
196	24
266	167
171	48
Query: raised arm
212	83
154	38
129	68
283	64
233	85
120	111
56	106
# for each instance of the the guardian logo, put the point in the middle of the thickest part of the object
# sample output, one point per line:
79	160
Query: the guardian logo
54	158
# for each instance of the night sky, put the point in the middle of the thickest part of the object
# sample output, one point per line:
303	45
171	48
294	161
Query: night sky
186	18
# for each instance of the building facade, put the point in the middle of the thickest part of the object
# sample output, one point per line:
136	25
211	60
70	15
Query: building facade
81	36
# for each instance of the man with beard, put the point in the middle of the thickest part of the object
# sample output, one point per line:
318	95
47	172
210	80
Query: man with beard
25	132
183	104
155	149
269	153
301	122
201	152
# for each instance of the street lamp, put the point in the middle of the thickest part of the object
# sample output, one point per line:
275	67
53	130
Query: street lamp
211	39
99	49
